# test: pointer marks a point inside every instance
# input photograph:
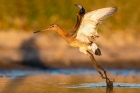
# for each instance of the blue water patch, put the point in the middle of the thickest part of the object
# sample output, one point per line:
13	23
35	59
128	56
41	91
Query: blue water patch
124	72
16	73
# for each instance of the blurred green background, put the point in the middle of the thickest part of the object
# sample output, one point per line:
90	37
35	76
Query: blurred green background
36	14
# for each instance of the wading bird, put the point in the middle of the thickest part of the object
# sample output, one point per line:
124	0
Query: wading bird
85	33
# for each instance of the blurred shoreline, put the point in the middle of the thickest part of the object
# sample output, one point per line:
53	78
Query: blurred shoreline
20	49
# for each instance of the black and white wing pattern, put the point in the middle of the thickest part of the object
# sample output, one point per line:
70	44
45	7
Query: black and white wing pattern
91	20
80	15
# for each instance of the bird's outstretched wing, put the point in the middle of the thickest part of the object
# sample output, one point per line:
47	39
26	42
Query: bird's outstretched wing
91	20
80	15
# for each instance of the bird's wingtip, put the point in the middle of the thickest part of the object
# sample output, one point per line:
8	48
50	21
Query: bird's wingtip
79	6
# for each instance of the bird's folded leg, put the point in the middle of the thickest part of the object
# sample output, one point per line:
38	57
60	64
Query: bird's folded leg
99	68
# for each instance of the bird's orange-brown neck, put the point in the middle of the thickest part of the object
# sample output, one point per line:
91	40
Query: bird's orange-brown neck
62	33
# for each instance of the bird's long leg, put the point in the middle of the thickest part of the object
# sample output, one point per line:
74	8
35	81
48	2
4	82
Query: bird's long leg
96	65
99	68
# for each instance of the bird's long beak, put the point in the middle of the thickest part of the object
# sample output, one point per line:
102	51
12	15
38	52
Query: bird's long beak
41	30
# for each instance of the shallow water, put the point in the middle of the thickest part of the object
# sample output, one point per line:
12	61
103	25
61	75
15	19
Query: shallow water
67	81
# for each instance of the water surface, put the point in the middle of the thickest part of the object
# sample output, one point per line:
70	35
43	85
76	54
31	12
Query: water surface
67	81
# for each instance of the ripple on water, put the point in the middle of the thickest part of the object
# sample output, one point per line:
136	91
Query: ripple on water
101	85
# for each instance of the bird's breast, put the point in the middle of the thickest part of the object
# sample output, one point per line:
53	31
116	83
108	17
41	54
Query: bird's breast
77	43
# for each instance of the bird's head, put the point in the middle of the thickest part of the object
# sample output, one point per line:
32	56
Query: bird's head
53	27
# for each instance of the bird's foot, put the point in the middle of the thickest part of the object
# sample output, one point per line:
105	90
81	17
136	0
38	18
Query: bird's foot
109	82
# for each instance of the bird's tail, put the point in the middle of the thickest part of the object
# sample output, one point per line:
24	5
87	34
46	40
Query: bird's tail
95	49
